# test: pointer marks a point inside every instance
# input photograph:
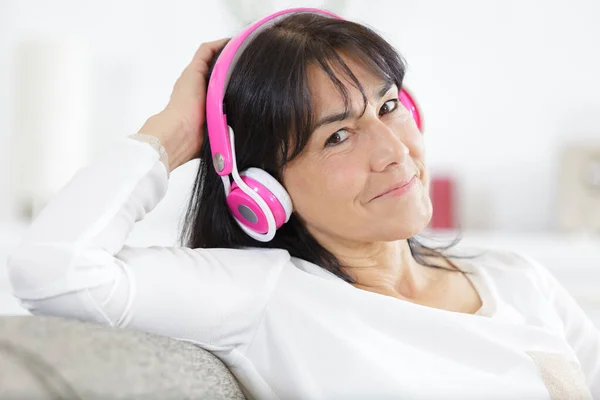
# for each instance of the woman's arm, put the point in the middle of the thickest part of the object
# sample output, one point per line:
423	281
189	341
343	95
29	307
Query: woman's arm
72	262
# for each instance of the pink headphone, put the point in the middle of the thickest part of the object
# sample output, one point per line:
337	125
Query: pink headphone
258	202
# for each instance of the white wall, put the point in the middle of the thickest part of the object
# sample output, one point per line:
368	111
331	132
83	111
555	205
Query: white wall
503	84
138	49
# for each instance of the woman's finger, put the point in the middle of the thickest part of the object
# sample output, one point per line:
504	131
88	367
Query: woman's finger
194	75
205	53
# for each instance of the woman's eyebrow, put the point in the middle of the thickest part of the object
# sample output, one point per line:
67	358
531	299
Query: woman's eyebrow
334	118
341	116
383	89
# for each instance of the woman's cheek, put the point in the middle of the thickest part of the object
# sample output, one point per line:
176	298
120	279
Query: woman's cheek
406	128
344	180
418	147
413	139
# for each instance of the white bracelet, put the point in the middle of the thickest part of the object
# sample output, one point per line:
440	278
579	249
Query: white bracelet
156	144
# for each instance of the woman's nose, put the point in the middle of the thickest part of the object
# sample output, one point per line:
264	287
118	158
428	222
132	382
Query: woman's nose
386	148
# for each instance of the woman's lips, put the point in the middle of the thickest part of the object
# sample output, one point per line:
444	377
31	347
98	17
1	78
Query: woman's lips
399	190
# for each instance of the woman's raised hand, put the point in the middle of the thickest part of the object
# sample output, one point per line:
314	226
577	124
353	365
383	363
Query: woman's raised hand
180	125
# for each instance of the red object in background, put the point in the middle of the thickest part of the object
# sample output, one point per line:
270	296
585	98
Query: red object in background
442	199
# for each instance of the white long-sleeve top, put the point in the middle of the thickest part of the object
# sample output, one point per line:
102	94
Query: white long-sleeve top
285	327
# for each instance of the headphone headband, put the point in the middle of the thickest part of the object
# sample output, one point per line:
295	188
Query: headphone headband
216	119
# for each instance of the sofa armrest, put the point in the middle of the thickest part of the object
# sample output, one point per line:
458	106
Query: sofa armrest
50	357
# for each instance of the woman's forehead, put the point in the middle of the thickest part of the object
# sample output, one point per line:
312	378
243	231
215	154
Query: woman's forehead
326	94
319	78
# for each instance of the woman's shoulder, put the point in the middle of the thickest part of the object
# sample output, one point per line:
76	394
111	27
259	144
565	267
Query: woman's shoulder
517	283
252	262
504	266
252	258
512	271
250	253
500	259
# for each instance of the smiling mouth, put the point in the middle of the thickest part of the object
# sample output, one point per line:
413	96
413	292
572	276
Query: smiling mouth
399	190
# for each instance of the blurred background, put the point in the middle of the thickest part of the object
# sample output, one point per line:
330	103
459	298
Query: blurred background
509	91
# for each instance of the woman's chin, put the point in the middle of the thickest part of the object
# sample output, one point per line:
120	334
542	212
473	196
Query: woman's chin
404	224
411	207
399	228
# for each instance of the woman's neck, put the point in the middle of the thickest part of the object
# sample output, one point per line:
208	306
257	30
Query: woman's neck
387	268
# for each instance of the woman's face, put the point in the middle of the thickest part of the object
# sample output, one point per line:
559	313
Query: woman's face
340	184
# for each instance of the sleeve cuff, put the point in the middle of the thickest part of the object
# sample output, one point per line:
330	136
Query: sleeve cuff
157	145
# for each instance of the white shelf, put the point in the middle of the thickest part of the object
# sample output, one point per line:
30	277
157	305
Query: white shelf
556	249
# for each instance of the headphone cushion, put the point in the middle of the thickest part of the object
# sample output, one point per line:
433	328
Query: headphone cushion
271	191
274	187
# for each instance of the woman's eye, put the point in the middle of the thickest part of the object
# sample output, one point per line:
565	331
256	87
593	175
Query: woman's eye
389	106
337	138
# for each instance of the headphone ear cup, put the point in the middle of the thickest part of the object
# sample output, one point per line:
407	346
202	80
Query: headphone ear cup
274	187
248	212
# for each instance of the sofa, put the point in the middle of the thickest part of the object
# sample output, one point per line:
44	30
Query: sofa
56	358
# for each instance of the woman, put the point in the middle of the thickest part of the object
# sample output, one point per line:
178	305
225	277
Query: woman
342	302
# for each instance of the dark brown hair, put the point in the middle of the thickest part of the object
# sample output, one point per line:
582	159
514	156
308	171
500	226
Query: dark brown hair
269	106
